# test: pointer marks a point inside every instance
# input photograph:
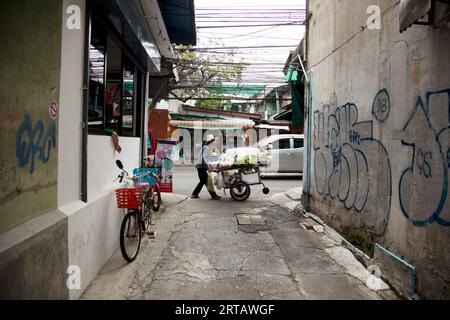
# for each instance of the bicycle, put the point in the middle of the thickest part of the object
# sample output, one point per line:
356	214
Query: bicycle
153	181
139	202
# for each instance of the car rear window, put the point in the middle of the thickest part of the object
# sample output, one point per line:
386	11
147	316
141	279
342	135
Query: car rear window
298	143
283	144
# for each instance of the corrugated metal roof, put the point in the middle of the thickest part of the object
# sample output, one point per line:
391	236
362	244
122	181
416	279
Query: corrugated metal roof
214	125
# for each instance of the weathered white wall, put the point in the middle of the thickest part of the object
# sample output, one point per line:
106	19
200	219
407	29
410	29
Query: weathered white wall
102	169
380	134
93	227
71	106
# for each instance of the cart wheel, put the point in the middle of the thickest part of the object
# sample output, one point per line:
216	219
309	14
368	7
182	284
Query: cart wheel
240	191
266	190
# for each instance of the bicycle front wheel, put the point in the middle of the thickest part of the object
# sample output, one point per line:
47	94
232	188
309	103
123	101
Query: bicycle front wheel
130	236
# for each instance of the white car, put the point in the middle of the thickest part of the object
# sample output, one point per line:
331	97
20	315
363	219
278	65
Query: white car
287	153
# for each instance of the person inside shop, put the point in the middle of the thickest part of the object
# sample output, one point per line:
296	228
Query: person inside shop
202	168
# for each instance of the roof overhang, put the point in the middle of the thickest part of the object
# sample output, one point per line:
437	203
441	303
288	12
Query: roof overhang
179	17
411	11
141	26
223	113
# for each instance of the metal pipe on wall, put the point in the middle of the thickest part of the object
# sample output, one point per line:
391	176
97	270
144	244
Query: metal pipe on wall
406	264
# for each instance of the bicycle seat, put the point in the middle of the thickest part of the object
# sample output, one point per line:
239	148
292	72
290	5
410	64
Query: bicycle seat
143	185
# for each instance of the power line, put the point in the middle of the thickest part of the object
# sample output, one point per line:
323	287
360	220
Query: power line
352	37
235	48
251	25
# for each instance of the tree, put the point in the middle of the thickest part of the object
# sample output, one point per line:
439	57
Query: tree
202	74
213	102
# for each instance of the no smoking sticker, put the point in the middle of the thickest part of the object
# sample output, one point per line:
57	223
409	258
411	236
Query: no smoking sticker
53	110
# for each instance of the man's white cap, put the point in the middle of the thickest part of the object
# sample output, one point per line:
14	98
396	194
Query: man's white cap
209	138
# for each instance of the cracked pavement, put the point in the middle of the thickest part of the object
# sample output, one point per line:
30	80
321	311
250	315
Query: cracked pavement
201	253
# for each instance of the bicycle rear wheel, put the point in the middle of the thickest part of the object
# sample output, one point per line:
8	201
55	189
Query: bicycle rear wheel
130	236
146	213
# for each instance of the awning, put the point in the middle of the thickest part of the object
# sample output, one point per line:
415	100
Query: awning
413	10
130	19
179	17
298	103
272	127
212	125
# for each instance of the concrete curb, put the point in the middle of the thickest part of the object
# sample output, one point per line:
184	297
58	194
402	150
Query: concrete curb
184	165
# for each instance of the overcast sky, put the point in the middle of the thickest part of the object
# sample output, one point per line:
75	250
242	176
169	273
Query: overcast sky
269	15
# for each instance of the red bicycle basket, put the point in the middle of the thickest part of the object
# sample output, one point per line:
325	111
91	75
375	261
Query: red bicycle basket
129	198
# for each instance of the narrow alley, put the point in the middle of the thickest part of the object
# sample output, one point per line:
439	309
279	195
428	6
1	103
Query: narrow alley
259	250
238	150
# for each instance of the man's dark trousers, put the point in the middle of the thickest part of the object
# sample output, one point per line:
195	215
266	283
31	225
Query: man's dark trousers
203	176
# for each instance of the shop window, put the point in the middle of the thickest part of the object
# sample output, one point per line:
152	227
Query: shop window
96	79
114	87
129	101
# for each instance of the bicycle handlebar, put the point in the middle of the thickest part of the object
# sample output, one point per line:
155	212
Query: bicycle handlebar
144	174
124	175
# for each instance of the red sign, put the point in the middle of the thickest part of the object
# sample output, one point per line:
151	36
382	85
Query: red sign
53	110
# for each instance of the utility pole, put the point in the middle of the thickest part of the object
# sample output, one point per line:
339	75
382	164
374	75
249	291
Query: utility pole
277	97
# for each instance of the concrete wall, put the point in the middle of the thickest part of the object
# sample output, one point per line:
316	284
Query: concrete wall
28	85
44	227
380	137
33	233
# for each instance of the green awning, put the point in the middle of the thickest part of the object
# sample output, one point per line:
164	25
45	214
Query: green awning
298	103
292	74
236	89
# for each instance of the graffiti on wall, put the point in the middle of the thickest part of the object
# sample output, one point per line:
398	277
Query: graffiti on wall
34	142
424	184
351	165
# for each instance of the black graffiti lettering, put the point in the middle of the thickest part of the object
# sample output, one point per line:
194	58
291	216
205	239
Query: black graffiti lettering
423	162
355	137
344	165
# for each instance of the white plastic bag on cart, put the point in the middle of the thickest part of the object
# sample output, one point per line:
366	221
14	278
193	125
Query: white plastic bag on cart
218	181
210	184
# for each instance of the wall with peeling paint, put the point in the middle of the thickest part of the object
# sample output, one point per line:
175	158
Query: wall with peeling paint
380	135
29	82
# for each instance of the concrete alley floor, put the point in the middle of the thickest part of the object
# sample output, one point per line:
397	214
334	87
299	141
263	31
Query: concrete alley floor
201	252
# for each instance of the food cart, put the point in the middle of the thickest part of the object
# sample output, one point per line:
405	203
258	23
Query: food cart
239	175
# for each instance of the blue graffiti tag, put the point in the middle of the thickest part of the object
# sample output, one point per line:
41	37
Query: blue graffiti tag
423	186
32	141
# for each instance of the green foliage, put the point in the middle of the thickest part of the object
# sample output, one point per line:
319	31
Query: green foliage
200	72
213	102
